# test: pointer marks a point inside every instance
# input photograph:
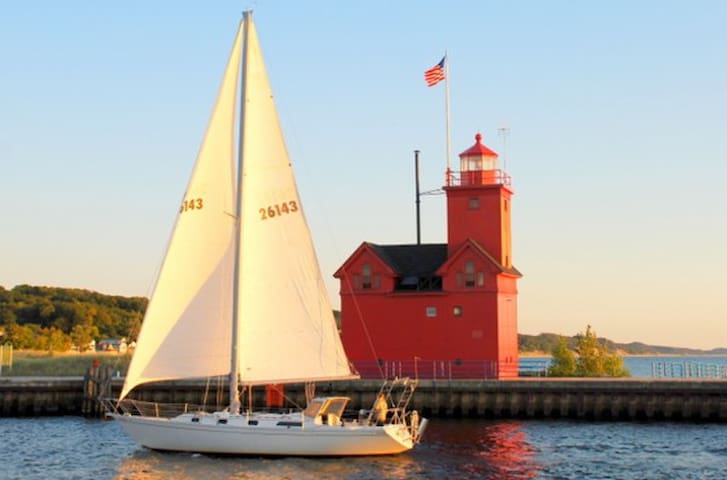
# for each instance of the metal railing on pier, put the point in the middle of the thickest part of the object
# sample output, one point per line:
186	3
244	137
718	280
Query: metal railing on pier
448	369
688	370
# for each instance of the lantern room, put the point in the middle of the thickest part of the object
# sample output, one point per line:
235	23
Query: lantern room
478	166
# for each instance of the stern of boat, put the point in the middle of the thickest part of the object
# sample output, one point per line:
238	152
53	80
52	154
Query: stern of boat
392	403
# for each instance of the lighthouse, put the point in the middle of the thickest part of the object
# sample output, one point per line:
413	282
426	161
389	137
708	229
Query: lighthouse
440	310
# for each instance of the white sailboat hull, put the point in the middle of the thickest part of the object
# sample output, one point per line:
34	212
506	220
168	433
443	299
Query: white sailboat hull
238	437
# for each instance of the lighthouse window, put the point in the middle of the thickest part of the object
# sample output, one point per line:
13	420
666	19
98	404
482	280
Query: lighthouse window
457	310
431	312
474	203
469	273
366	276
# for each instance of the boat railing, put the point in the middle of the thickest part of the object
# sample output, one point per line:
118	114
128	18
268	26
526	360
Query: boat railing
397	394
151	409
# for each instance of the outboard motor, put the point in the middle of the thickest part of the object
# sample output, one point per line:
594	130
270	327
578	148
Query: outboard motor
417	429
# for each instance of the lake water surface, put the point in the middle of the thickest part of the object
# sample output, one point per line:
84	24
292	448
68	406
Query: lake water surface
75	448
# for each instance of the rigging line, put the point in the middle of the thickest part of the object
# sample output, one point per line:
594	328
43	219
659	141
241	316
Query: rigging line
206	392
363	323
290	399
221	382
137	315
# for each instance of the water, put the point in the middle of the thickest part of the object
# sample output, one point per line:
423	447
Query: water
75	448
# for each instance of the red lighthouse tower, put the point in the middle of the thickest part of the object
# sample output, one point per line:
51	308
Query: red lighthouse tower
440	310
479	229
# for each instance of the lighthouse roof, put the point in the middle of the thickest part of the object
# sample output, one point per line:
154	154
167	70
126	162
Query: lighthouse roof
478	149
416	260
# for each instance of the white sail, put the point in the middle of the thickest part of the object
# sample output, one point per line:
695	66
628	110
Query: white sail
186	331
287	331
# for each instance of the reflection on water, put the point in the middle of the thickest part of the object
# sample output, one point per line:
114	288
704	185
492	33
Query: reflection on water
452	449
482	449
150	465
479	449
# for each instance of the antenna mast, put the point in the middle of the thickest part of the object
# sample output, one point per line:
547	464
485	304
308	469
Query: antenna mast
503	132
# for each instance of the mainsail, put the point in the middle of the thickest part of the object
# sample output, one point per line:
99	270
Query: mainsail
286	329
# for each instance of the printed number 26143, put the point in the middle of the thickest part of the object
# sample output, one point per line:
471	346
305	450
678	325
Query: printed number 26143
278	209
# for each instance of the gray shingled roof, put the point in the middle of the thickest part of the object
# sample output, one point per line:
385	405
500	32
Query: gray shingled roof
422	260
412	260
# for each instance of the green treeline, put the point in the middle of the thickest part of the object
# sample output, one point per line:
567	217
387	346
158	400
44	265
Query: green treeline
547	342
58	319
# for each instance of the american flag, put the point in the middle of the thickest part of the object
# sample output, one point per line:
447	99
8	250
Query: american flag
435	74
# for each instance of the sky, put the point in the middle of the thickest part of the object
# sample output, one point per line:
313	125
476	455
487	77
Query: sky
615	113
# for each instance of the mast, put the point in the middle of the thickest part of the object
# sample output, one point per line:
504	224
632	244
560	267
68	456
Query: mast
234	364
418	201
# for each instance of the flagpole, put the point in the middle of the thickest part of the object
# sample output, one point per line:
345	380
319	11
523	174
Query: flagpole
446	108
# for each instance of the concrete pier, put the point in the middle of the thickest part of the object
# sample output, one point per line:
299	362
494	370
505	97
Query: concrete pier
37	396
584	399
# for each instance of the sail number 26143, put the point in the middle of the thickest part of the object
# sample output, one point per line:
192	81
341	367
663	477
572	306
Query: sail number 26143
272	211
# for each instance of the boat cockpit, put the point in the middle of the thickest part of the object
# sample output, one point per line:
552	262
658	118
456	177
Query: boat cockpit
326	410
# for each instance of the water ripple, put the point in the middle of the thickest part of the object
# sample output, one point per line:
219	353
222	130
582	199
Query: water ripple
73	448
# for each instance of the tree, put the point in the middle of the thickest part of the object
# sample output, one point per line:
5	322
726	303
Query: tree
57	340
596	360
590	355
21	336
82	335
564	360
613	366
591	358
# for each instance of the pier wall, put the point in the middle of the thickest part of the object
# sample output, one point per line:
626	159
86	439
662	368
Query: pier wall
38	396
584	399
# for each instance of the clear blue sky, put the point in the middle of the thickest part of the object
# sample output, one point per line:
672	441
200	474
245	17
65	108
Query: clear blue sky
618	141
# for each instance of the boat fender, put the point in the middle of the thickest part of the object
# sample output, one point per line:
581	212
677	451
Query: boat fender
422	427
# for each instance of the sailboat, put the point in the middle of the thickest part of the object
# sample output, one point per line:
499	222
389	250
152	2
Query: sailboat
240	295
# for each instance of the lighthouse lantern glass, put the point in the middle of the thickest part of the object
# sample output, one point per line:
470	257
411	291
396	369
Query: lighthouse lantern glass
489	162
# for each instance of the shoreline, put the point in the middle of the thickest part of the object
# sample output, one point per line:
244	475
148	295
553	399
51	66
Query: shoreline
538	354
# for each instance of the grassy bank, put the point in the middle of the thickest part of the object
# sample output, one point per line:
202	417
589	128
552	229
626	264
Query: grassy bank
40	364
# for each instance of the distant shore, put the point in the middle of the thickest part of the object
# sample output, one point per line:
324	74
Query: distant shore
538	354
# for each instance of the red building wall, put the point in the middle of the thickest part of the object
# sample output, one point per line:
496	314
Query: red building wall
455	331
